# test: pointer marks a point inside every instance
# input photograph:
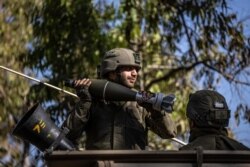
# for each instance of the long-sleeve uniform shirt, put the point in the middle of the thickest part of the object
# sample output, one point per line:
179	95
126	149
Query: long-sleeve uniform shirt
117	125
212	139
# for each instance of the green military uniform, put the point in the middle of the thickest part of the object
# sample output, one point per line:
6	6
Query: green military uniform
117	125
212	139
209	115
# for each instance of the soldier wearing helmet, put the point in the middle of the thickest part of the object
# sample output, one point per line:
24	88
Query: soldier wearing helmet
116	125
117	60
208	116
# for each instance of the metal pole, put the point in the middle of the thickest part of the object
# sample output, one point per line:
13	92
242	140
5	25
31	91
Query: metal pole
179	141
46	84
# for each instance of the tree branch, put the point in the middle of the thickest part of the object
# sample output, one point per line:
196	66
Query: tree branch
227	76
173	72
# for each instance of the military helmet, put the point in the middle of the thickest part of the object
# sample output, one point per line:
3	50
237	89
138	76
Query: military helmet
208	108
118	57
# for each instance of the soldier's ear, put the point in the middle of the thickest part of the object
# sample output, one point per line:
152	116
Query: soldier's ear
112	75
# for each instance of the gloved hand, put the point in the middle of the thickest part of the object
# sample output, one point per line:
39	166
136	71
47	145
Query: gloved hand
82	89
156	101
146	95
144	102
84	94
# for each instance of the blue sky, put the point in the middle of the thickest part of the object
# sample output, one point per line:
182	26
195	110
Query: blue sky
241	132
242	7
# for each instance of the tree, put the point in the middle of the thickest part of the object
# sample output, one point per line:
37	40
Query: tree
15	33
182	44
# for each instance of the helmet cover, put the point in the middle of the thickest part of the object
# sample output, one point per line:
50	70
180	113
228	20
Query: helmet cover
208	108
119	57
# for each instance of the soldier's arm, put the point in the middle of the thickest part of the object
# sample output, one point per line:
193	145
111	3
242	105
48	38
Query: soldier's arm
77	120
161	123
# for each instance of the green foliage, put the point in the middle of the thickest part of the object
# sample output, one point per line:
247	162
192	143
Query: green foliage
180	42
15	33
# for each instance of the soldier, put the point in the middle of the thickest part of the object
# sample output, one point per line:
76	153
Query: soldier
113	125
208	116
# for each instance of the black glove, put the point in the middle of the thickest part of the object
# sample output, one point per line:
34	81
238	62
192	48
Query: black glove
83	94
146	95
156	101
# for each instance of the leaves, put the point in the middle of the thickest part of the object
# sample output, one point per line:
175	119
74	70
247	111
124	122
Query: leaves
184	46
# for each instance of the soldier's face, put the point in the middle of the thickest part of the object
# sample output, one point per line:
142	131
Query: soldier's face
128	76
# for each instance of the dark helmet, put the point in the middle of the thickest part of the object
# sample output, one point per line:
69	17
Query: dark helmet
208	108
118	57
